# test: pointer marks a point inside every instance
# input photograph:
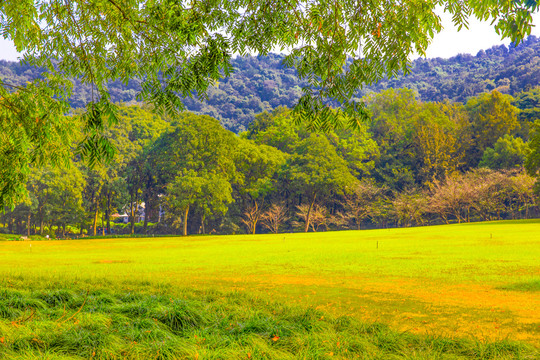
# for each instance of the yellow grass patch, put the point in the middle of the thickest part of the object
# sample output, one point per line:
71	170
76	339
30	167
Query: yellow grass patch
112	262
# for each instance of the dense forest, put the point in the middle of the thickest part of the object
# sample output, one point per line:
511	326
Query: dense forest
414	163
449	144
263	83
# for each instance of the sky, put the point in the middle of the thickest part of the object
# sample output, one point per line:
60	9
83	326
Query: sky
449	42
479	36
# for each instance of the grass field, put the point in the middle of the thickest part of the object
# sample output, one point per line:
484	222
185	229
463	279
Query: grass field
442	292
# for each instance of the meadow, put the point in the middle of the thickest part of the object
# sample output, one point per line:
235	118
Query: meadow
467	291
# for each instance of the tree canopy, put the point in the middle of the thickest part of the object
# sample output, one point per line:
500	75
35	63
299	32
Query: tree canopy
407	167
179	48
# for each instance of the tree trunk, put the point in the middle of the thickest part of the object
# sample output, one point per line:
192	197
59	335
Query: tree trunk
10	224
108	213
94	229
306	228
28	223
256	219
254	226
102	224
146	215
185	220
41	221
132	217
202	223
445	219
457	214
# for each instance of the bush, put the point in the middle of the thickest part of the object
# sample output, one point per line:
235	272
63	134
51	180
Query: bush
50	232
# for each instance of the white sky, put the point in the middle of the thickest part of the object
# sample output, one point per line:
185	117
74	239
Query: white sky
480	35
449	42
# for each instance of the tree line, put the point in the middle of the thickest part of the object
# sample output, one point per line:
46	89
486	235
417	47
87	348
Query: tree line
414	163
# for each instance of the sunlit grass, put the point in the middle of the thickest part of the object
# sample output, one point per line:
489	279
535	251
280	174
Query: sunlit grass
213	325
469	281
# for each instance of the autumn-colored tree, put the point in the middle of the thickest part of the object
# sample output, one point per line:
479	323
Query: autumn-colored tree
320	218
410	207
274	217
523	194
437	152
449	197
317	216
251	217
490	192
360	200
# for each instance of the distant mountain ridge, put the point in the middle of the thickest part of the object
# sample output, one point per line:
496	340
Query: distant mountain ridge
508	69
262	83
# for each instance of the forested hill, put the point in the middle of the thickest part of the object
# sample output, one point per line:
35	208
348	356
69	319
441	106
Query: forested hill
508	69
262	83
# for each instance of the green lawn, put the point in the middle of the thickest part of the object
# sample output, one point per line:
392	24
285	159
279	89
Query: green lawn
473	281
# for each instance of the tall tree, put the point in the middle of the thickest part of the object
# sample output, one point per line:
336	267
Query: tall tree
440	141
393	122
64	195
257	167
532	162
315	171
196	150
211	192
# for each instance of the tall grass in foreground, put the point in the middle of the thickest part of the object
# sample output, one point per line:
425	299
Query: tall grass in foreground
45	323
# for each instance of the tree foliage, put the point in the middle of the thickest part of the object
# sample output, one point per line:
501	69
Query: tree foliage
178	49
492	116
193	176
507	153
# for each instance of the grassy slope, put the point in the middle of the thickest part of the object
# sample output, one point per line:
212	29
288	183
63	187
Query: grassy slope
476	280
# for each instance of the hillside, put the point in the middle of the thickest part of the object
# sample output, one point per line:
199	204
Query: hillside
262	83
507	69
